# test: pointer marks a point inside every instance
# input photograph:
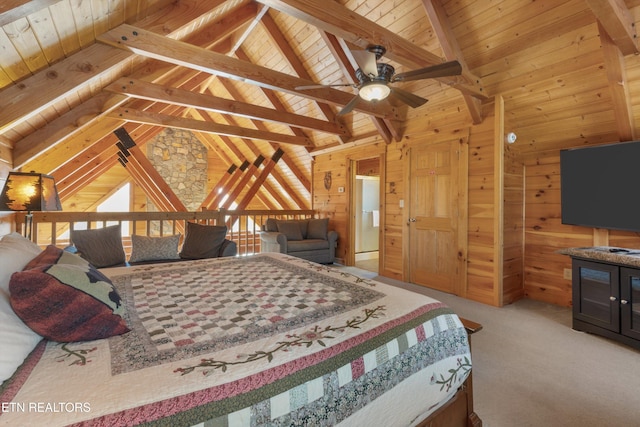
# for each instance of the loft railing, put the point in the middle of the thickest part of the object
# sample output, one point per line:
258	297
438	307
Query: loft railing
52	228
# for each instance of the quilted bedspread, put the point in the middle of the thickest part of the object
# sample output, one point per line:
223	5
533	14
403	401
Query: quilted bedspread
262	340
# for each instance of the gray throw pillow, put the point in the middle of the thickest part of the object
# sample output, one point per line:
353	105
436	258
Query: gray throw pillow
318	228
102	247
147	248
203	241
271	224
291	229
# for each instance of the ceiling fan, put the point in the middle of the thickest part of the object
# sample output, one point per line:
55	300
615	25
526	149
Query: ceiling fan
374	79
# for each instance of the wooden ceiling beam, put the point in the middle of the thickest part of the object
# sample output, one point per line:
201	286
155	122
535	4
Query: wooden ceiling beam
90	111
229	184
208	140
221	31
161	93
150	190
618	22
346	62
218	187
239	156
268	191
139	132
618	86
272	96
278	105
286	159
102	156
249	29
38	142
74	146
84	176
452	51
253	190
152	176
336	19
33	95
138	116
152	45
12	10
285	48
252	170
153	184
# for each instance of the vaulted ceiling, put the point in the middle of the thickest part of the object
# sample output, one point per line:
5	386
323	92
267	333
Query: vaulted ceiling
78	77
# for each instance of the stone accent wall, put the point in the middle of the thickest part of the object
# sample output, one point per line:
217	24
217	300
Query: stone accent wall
182	161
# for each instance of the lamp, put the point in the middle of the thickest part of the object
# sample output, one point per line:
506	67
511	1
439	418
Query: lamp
29	191
374	91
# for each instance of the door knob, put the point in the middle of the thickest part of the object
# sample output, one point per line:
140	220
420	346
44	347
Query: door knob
624	301
612	298
412	220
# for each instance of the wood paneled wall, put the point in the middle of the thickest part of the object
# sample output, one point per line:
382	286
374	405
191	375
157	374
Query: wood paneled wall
332	202
547	273
495	262
482	278
7	219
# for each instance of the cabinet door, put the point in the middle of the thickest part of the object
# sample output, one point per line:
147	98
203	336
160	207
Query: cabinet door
596	294
630	302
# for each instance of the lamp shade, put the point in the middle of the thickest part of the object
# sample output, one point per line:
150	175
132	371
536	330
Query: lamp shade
29	191
374	91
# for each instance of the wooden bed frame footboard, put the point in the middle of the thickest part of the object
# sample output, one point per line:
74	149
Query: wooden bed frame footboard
458	411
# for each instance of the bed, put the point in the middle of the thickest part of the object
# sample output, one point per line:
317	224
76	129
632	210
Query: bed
260	340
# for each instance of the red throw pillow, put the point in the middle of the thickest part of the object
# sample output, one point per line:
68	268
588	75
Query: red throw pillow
66	302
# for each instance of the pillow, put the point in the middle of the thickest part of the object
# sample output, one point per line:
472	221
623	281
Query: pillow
291	229
102	247
271	224
67	302
318	228
203	241
54	255
145	248
17	340
15	252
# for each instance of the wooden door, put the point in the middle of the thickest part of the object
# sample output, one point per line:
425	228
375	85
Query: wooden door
434	216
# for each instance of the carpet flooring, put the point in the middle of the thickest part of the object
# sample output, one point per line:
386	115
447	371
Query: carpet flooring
531	369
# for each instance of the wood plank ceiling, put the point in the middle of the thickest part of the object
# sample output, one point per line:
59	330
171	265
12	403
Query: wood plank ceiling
72	72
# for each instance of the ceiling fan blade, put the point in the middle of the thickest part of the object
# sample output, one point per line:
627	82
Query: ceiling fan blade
350	106
408	98
366	61
451	68
322	86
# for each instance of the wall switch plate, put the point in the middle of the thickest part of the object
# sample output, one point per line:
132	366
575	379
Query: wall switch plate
402	203
567	273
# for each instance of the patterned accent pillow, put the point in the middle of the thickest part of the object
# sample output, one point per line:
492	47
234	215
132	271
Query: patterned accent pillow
203	241
54	255
67	300
102	247
146	248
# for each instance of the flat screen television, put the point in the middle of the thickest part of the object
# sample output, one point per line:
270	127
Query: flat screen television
600	186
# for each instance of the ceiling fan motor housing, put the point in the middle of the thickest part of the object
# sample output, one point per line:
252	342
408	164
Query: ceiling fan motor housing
385	72
377	50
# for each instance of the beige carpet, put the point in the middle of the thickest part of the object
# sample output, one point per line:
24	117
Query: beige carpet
531	369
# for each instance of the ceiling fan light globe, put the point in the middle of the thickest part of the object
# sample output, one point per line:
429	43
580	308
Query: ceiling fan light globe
374	91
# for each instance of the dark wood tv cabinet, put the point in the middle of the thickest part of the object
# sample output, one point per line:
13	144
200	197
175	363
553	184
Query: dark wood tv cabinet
606	292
